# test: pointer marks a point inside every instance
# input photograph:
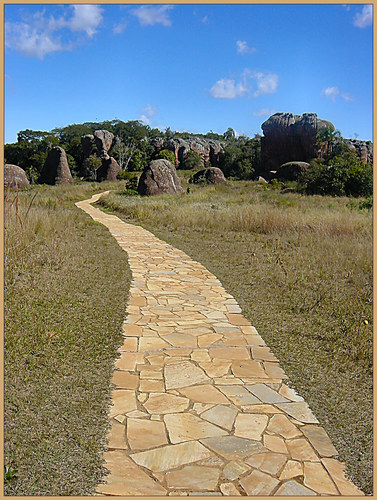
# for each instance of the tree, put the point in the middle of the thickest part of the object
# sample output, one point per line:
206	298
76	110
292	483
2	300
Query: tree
90	167
191	160
166	154
229	134
326	139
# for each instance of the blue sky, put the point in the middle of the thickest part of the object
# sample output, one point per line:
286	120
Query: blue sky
190	67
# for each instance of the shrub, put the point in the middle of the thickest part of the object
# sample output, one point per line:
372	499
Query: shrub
166	154
191	161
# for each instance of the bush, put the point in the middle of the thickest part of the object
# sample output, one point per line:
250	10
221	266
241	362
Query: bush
343	175
191	161
166	154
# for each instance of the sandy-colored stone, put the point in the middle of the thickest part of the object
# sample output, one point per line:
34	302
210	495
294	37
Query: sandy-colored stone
151	374
132	330
129	360
221	415
266	394
136	414
233	447
239	395
172	456
292	469
271	463
123	401
183	374
165	403
258	483
289	393
248	368
266	409
194	477
151	386
129	344
215	368
229	353
228	489
299	411
280	424
294	489
186	427
275	443
200	355
234	469
250	426
336	470
205	393
208	339
126	478
262	353
300	449
117	436
317	479
201	407
237	319
319	440
125	380
273	370
152	343
145	434
180	340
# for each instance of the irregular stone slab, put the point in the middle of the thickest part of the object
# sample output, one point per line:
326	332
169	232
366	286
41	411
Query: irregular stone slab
126	478
319	440
300	449
294	489
152	386
172	456
258	483
208	339
233	447
237	319
238	395
263	354
266	409
273	370
180	340
299	411
271	463
250	426
248	368
317	479
186	427
280	424
221	415
152	343
204	394
200	355
336	470
125	380
228	489
193	477
234	469
145	434
129	360
183	374
275	443
123	401
215	368
117	437
229	353
292	469
266	394
289	393
163	403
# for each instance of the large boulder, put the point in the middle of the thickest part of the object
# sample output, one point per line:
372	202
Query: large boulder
109	169
211	175
87	144
288	138
208	150
56	169
103	140
363	149
160	177
15	177
291	171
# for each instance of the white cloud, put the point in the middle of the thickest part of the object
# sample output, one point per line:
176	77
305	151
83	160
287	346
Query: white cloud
267	83
364	18
331	92
119	28
347	97
228	89
264	112
347	7
205	19
86	18
40	35
243	48
147	114
150	15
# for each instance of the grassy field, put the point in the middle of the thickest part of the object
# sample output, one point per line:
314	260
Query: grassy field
301	269
66	289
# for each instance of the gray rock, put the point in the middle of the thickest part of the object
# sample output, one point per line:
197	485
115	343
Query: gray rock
15	177
211	175
160	177
109	169
103	140
56	169
87	144
291	171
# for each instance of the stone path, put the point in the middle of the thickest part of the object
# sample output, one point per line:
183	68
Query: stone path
201	405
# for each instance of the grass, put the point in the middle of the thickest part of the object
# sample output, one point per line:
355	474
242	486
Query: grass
301	269
66	289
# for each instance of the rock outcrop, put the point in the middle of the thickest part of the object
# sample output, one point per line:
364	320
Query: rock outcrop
109	169
56	169
99	144
103	140
15	177
211	175
87	144
288	138
364	149
207	150
291	171
160	177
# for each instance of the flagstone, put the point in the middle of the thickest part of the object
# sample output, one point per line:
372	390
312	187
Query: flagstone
201	407
145	434
232	447
300	449
171	456
280	424
229	353
238	395
294	489
137	414
193	477
228	380
186	427
132	330
165	403
152	386
180	340
317	479
260	408
263	353
234	469
237	319
129	344
271	463
336	470
275	443
126	478
125	380
128	360
266	394
200	355
221	415
258	483
299	411
152	343
215	368
248	368
254	340
204	394
292	469
250	426
228	489
273	370
212	461
183	374
319	440
123	401
117	436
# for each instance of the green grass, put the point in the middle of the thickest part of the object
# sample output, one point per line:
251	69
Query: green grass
66	289
301	269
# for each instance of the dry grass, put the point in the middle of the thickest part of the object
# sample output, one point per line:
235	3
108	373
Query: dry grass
301	269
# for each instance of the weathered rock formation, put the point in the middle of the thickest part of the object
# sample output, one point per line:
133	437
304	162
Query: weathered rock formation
103	140
211	175
207	150
288	138
56	169
109	169
364	149
15	177
160	177
291	171
99	144
87	144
